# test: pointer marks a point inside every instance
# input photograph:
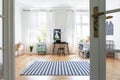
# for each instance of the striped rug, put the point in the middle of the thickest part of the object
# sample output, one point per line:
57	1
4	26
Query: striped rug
58	68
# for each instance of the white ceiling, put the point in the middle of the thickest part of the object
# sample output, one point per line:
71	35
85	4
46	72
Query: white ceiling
84	4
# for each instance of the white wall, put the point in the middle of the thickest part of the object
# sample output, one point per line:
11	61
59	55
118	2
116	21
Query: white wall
18	24
114	4
61	17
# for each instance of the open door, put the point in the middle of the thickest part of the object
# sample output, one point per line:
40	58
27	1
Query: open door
97	35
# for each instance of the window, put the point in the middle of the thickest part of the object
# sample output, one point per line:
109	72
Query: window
42	23
82	25
38	24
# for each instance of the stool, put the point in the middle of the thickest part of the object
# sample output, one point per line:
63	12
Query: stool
61	50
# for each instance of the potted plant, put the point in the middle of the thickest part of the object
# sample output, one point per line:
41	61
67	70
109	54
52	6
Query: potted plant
81	40
31	48
39	39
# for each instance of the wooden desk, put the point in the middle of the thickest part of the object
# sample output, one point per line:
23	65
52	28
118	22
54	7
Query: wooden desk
60	45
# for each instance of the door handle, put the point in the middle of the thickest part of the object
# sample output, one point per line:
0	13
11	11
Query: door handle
95	22
106	12
96	15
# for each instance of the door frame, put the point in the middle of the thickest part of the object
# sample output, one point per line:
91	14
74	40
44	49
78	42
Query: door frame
98	56
8	40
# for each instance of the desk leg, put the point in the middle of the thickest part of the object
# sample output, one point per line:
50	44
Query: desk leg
53	49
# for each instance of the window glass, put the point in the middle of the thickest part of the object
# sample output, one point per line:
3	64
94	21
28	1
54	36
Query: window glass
85	19
0	7
82	26
1	64
1	32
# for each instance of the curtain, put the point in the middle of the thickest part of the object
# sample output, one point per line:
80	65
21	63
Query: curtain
34	27
37	25
71	35
50	27
36	22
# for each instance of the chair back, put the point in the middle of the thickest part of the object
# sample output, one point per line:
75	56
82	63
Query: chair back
81	46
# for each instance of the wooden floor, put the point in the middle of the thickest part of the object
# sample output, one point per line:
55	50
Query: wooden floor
112	69
22	61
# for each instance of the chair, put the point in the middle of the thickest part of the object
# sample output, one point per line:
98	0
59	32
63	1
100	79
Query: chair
84	49
61	51
81	49
41	48
110	47
18	49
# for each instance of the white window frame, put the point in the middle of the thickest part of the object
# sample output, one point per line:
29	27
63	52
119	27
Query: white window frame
81	24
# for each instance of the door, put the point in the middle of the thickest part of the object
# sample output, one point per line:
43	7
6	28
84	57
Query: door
6	40
97	46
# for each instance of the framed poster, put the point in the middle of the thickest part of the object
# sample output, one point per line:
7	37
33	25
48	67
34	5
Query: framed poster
57	35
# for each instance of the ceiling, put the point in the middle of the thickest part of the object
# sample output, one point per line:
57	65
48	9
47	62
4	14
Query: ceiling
83	4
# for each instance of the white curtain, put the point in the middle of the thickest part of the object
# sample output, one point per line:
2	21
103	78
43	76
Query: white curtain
68	33
33	25
71	36
37	24
50	27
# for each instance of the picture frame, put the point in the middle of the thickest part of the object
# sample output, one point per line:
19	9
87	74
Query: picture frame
57	35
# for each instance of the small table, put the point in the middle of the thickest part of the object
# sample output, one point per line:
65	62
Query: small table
59	45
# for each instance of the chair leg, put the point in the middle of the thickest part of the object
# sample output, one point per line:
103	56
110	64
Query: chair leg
58	52
85	54
64	52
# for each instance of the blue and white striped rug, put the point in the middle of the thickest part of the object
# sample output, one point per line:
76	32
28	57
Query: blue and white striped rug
58	68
